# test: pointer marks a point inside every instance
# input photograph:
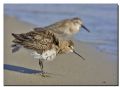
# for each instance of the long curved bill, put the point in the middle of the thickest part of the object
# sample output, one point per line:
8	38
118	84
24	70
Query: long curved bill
78	54
85	28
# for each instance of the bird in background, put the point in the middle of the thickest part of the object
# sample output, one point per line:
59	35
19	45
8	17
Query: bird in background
65	28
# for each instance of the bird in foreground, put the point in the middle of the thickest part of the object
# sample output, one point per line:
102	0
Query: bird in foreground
66	27
44	45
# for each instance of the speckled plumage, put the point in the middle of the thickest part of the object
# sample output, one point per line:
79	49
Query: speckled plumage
38	41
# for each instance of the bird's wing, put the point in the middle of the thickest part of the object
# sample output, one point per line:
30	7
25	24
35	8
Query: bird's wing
53	27
39	41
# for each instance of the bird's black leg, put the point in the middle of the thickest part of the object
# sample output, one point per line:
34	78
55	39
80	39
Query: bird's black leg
41	67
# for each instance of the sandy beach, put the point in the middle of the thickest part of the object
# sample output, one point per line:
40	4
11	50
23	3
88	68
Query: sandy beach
20	68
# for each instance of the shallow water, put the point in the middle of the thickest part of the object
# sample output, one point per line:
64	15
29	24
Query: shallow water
100	19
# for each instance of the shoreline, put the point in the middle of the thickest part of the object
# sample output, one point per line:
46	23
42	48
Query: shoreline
98	69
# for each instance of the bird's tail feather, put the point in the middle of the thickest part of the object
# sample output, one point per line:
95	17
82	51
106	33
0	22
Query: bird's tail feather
17	36
15	47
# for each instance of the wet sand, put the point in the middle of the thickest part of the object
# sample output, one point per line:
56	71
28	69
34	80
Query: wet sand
20	68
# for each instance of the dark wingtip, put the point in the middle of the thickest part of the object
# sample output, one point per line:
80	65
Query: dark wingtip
15	47
13	34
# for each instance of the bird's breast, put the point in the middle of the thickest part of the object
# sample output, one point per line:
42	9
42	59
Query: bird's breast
47	55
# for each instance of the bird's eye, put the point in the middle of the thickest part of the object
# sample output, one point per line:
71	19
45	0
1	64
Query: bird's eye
70	46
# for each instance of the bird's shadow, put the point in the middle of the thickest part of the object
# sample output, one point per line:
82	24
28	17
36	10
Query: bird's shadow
20	69
26	70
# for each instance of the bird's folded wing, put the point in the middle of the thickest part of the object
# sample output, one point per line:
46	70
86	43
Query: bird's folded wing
57	28
39	41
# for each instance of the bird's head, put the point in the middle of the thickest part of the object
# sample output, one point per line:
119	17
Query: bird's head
67	46
79	23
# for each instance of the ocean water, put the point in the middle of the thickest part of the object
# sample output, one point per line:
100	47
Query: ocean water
100	19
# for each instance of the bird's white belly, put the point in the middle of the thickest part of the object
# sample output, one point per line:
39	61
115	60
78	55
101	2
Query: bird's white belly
47	55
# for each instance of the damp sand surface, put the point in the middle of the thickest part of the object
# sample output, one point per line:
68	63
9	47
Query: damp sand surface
20	68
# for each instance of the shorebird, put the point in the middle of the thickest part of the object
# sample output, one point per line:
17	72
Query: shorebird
66	27
43	44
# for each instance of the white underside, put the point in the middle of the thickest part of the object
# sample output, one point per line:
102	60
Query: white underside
47	55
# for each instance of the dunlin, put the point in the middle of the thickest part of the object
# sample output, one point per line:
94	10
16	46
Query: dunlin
65	27
43	44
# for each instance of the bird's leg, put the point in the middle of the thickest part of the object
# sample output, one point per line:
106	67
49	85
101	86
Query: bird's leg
41	67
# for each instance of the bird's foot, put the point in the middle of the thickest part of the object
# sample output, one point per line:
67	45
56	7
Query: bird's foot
44	74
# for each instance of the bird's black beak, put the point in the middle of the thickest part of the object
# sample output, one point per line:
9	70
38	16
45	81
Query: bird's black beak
85	28
78	54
